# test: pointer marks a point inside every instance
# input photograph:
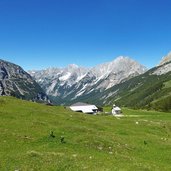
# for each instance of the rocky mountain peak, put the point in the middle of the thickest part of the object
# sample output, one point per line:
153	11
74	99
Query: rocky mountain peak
165	59
14	81
164	65
119	64
74	66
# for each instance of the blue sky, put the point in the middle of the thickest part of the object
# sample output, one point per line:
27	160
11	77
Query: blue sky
38	34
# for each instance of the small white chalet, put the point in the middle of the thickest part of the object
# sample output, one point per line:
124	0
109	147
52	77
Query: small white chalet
116	110
84	107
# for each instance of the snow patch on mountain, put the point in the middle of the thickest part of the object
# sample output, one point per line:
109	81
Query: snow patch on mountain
65	77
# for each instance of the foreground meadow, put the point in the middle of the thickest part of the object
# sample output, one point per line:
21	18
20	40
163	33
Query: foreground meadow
138	141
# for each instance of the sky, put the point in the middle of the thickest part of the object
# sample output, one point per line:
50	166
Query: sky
37	34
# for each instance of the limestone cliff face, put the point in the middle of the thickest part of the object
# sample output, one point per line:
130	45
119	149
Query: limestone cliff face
14	81
165	59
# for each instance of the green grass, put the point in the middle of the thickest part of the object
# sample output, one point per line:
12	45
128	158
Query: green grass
139	141
167	84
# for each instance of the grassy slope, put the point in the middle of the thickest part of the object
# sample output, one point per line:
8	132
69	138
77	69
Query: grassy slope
92	142
144	91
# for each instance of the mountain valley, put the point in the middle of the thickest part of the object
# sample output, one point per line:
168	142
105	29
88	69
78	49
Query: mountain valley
122	81
69	84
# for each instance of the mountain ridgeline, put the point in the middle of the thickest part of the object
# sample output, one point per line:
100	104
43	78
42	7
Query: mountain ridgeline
151	90
73	83
14	81
122	81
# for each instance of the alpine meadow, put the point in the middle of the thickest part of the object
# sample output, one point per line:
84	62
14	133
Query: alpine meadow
138	141
85	85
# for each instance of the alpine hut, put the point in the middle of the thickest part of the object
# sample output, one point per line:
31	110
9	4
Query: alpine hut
84	107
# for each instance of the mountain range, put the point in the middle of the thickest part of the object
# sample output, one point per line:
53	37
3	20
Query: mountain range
122	81
151	90
65	85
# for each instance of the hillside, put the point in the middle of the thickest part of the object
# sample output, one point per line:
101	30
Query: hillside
139	141
14	81
150	90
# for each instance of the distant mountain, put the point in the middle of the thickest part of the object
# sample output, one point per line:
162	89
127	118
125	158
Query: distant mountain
14	81
69	84
151	90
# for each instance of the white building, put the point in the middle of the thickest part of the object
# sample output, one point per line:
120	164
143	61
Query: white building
116	110
84	107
